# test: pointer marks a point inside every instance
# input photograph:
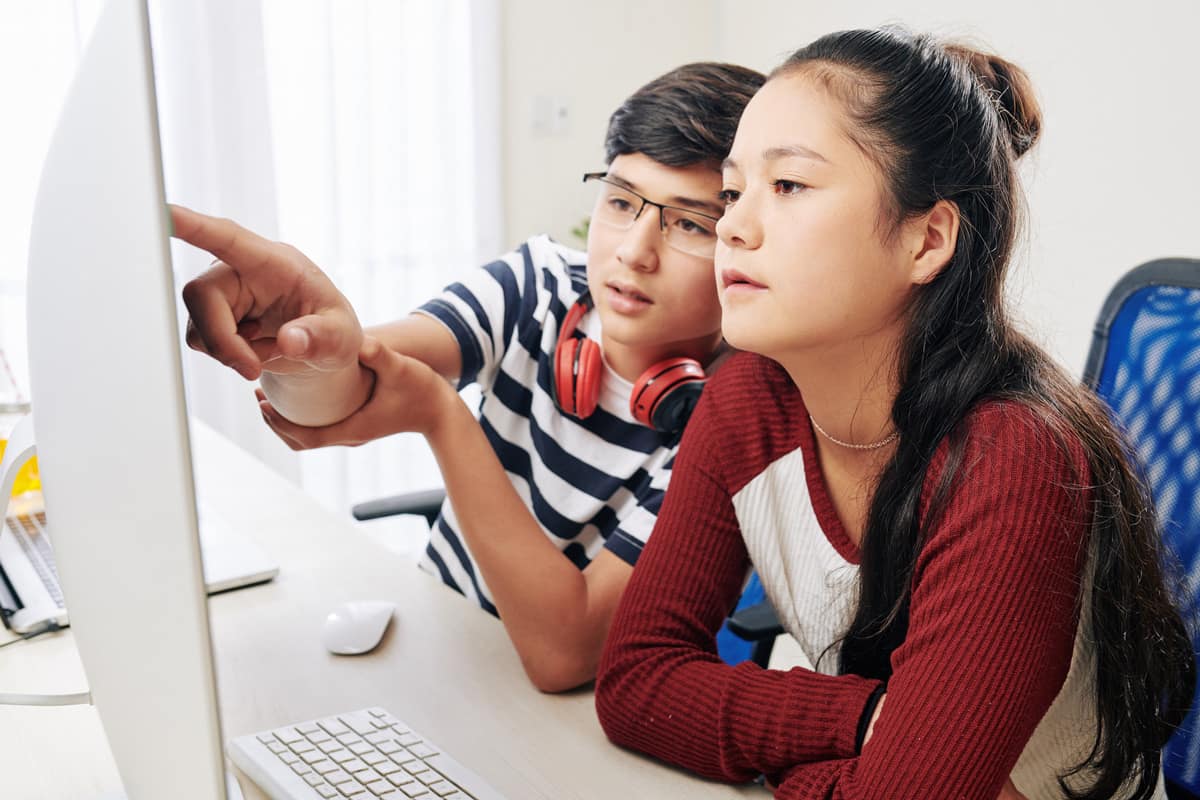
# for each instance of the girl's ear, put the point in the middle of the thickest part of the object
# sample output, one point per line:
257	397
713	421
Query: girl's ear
933	236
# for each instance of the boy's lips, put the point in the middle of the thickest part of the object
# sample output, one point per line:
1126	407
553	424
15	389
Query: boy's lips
629	290
625	298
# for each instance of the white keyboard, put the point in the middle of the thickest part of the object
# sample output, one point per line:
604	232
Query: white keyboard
362	755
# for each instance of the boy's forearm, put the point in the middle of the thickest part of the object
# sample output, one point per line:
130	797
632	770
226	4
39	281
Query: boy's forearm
316	399
542	597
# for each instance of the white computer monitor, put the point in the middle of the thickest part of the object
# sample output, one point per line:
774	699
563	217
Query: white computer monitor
111	424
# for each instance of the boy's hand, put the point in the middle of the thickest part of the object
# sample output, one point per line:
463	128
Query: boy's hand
263	306
408	396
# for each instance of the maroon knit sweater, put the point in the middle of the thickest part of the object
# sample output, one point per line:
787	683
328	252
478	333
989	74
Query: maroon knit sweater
992	621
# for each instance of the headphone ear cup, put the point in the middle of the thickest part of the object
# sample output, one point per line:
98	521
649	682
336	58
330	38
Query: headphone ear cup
564	373
673	411
663	398
587	378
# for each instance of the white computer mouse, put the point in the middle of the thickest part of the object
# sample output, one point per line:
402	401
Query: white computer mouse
355	628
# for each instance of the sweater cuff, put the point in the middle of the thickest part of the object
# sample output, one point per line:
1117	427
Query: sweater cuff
864	721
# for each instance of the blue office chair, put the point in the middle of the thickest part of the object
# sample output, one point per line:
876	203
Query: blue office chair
1145	363
748	634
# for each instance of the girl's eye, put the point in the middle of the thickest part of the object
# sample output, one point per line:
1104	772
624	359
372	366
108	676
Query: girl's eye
729	196
786	187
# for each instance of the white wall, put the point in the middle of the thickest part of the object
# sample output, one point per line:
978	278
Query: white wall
1115	180
591	55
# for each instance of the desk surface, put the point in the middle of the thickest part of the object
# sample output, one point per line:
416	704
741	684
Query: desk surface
444	666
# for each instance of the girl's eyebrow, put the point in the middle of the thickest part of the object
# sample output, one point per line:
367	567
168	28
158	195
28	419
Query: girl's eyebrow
793	151
779	152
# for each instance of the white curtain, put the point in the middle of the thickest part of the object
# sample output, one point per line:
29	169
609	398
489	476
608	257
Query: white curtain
365	132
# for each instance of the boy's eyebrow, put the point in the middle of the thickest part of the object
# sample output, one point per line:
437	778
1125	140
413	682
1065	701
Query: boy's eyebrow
679	201
782	151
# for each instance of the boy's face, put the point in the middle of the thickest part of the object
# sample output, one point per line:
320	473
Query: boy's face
654	300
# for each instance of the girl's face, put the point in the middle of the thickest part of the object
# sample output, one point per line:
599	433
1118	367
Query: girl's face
802	263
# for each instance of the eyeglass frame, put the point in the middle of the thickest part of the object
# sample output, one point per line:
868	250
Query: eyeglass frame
662	209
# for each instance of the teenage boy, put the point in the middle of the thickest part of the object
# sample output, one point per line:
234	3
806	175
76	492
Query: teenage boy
589	364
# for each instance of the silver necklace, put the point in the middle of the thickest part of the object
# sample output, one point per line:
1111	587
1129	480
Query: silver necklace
872	446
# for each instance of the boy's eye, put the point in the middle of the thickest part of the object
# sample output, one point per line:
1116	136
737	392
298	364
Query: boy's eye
786	187
729	196
620	204
694	227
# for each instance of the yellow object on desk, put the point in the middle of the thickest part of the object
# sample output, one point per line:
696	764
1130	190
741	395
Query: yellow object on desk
27	477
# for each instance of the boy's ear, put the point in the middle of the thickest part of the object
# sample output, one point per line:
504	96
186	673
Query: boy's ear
933	237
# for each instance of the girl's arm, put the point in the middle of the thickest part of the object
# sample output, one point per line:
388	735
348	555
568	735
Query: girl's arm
989	642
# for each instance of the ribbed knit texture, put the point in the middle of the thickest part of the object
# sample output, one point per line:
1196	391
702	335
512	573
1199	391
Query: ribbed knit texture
992	625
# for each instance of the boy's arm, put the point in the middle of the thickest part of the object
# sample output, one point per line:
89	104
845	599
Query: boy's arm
556	616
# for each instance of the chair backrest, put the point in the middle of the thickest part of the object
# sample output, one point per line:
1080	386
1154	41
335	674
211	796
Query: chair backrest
1145	363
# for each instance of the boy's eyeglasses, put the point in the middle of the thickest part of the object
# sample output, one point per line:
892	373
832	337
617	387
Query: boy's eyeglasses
686	231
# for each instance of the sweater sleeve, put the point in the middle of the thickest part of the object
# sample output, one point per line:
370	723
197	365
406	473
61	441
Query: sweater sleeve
991	628
661	687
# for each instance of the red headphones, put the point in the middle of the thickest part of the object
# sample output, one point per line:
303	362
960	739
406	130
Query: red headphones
663	397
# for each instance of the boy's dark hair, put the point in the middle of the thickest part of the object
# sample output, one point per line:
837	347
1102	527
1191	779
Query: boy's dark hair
687	116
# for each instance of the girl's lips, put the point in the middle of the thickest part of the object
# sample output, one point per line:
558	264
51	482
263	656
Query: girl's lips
731	277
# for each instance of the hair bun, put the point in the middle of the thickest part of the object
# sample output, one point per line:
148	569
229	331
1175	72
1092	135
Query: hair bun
1011	91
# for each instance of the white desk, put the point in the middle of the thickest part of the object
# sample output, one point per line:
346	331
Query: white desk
444	666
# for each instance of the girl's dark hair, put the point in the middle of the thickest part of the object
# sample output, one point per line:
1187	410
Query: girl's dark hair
948	122
687	116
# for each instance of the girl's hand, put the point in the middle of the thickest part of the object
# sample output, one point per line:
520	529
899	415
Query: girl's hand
407	396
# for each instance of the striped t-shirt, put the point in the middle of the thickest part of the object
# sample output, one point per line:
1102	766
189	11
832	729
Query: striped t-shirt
592	484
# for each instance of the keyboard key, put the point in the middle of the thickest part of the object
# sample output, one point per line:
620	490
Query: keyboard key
386	768
400	778
275	747
379	737
429	778
300	768
333	727
443	788
365	776
338	777
313	779
374	758
267	738
361	747
303	746
319	736
415	767
331	746
388	747
422	750
353	765
313	756
351	788
342	756
408	739
359	726
416	790
326	791
289	757
288	735
376	712
379	787
349	738
325	767
380	724
308	728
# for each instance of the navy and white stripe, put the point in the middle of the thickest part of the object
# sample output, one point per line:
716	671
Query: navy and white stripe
592	484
